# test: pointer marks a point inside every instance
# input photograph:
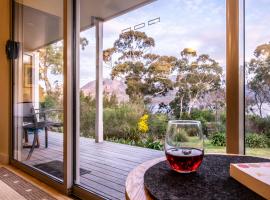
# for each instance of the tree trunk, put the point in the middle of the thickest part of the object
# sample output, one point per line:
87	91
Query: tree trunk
45	78
216	112
260	109
189	108
181	106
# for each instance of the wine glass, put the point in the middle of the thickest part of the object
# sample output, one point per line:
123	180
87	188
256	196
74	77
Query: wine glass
184	145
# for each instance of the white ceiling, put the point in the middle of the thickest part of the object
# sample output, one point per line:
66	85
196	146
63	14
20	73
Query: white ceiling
43	24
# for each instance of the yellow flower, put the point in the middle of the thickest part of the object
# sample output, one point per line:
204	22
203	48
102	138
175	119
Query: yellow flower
143	124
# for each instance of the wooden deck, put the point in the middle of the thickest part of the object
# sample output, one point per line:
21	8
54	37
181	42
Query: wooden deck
108	162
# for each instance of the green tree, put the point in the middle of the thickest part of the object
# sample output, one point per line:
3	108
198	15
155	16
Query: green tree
259	77
196	76
50	61
144	73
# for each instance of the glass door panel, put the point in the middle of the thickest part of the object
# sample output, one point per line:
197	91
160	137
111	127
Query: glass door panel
38	86
257	78
143	63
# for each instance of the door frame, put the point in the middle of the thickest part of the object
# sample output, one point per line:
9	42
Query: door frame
65	185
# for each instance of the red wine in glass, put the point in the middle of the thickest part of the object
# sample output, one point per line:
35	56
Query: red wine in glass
184	160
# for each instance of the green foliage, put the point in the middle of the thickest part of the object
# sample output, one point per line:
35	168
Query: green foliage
254	140
53	99
148	142
151	143
204	116
257	124
181	136
158	125
259	71
196	76
121	121
109	100
87	115
144	73
179	105
51	60
49	102
219	139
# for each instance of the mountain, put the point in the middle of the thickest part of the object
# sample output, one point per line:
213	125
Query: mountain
110	87
118	88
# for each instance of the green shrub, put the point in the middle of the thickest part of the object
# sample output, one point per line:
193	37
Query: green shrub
181	136
268	138
87	122
119	120
153	144
149	142
254	140
204	116
158	125
256	124
122	121
219	139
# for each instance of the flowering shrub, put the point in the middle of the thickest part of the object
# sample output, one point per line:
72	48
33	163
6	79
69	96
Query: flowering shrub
143	124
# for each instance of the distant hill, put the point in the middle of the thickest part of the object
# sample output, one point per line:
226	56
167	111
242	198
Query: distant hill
118	88
109	86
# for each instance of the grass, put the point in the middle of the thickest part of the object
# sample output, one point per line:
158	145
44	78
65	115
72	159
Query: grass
259	152
209	148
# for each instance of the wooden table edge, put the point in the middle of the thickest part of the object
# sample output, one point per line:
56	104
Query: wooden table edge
135	181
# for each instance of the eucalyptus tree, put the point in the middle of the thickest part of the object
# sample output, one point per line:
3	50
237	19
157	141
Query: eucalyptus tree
196	76
144	73
258	80
51	61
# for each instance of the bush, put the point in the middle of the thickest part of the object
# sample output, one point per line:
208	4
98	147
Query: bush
122	121
204	116
153	144
219	139
256	124
158	125
149	142
181	136
254	140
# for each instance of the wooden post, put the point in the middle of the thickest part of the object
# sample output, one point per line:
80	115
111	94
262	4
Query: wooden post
234	100
99	81
68	94
77	92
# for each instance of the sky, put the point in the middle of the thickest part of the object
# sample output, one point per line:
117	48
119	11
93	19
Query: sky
197	24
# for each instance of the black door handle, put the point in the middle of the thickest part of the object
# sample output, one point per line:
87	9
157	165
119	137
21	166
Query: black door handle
12	49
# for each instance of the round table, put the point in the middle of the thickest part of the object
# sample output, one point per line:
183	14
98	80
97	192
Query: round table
135	181
135	189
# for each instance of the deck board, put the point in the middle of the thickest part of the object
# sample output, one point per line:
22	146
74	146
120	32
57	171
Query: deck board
108	162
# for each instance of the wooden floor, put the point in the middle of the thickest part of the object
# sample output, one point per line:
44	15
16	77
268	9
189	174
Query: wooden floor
108	162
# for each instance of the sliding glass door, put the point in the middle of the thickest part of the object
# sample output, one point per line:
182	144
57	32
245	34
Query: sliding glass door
257	78
38	86
140	64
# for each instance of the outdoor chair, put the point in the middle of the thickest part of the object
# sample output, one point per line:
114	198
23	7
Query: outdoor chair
35	120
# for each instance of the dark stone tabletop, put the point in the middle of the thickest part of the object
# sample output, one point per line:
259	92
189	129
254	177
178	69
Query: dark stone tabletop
211	181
